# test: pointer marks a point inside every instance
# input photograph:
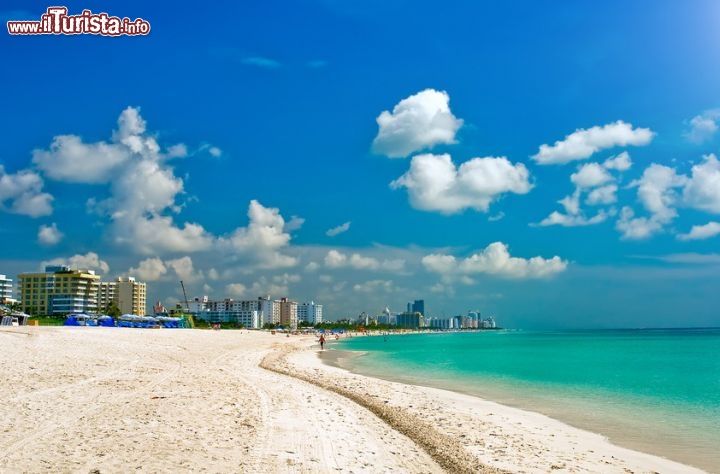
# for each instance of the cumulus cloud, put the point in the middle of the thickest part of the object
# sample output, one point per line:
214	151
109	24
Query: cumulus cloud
658	194
338	230
656	191
636	228
143	187
49	234
435	184
21	193
701	232
294	223
70	160
183	268
620	162
583	143
573	220
158	234
89	261
595	181
417	122
150	269
337	259
262	287
602	195
702	190
495	259
263	240
590	175
703	127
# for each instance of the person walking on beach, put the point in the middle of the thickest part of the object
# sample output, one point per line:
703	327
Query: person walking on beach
322	342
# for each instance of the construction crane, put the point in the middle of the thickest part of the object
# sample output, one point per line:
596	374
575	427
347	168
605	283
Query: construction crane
187	304
188	315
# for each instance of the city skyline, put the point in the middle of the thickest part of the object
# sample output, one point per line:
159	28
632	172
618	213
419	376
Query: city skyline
554	166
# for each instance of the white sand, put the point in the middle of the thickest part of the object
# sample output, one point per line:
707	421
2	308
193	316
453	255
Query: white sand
116	400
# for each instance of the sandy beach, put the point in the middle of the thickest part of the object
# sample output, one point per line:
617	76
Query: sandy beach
115	400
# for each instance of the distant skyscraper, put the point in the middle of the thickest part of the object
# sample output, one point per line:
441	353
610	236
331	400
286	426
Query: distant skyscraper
418	307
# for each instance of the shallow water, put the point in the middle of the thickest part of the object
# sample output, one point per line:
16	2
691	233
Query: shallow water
656	391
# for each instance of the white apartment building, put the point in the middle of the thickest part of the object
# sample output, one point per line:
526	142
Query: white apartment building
129	295
250	313
310	313
5	289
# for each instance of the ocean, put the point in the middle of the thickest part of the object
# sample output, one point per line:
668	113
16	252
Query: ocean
653	390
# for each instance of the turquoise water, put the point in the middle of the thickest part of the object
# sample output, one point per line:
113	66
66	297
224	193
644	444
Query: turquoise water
653	390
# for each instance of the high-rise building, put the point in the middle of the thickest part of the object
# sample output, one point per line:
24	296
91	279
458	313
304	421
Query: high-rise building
128	295
288	313
5	289
310	313
418	307
59	291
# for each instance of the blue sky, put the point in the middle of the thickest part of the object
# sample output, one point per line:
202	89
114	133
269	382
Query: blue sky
549	164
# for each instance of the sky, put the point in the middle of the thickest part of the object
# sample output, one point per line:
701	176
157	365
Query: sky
553	164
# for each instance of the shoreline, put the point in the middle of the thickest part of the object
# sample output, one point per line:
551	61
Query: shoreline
643	460
629	424
111	399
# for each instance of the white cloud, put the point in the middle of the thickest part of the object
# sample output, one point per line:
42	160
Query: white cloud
338	230
496	217
263	239
656	191
177	151
150	269
583	143
636	228
657	194
590	178
89	261
417	122
236	290
286	278
435	184
620	162
143	188
703	126
701	232
183	268
590	175
158	234
21	193
702	190
571	203
573	220
71	160
602	195
337	259
215	151
375	286
312	267
495	259
294	223
49	234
